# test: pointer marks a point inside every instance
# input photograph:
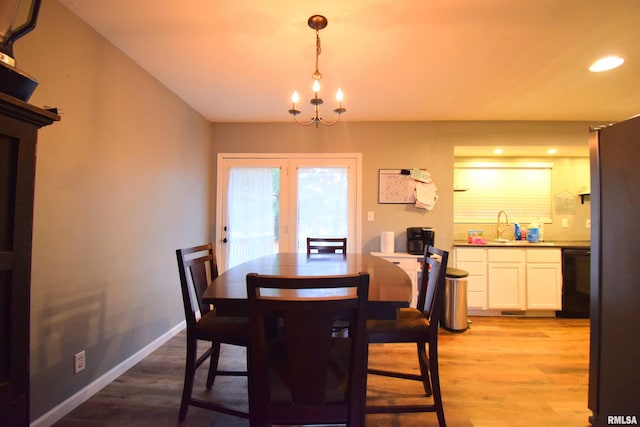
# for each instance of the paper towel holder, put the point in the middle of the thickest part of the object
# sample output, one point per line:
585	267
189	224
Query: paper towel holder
387	242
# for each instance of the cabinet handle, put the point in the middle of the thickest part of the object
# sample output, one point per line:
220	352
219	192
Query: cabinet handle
395	262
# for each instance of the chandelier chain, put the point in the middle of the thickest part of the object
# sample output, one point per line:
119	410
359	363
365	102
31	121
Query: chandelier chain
318	52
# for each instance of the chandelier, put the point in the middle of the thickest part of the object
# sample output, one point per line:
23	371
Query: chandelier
317	23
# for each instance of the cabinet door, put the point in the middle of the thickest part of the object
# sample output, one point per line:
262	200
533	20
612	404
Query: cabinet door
474	262
506	285
410	264
476	283
544	286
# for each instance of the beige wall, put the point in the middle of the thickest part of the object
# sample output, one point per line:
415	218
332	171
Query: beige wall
393	145
121	182
383	145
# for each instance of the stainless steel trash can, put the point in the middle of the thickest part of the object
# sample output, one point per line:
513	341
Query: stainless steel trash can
454	313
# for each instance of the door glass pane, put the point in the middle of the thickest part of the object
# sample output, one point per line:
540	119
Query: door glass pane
253	213
323	203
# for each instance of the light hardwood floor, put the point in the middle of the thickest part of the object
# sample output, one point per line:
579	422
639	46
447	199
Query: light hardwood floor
501	372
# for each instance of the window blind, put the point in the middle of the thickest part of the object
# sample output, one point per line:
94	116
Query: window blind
523	190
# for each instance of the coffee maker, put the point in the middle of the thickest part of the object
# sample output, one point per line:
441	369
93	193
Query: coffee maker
418	238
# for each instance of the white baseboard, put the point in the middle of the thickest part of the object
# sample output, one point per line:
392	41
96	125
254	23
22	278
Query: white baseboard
59	411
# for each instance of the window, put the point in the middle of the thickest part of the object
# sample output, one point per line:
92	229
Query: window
523	190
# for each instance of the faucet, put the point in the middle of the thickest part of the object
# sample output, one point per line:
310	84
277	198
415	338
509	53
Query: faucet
506	223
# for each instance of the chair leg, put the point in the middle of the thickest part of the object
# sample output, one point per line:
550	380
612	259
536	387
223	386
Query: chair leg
435	381
213	364
423	361
189	373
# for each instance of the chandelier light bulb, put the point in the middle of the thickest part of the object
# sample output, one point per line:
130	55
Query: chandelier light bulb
339	95
316	86
295	97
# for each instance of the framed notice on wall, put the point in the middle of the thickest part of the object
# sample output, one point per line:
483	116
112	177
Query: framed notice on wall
396	186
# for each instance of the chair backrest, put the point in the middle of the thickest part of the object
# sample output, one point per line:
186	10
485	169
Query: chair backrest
432	283
197	267
301	372
326	245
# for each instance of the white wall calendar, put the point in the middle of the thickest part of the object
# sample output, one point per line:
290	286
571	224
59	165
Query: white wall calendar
396	186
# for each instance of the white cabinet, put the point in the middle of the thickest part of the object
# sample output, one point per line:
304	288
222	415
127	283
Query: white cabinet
410	264
544	279
506	276
512	278
474	261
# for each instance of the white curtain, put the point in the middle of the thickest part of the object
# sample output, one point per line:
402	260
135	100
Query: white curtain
252	209
323	203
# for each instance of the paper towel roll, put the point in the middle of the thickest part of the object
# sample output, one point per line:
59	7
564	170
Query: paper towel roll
387	242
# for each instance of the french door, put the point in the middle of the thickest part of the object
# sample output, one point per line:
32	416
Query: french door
272	203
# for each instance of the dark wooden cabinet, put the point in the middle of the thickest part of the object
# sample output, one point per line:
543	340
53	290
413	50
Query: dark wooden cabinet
19	124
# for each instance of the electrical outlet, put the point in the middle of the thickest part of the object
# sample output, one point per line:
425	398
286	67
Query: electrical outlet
587	223
78	362
370	216
565	223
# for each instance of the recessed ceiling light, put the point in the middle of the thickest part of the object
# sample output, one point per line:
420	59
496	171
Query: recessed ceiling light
498	151
552	151
607	63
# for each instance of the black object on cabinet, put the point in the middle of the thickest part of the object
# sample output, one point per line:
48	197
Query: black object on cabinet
418	238
614	364
576	283
19	124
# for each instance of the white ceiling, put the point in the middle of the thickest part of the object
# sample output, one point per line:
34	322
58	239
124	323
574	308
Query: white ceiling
240	60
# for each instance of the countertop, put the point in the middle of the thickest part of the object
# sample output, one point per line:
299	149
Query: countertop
524	244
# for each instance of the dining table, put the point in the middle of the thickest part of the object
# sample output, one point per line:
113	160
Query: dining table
389	285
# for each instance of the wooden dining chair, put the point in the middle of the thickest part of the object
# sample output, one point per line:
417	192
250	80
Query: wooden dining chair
326	245
198	267
303	373
420	326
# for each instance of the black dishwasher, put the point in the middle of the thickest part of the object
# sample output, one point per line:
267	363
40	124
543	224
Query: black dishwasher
576	283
